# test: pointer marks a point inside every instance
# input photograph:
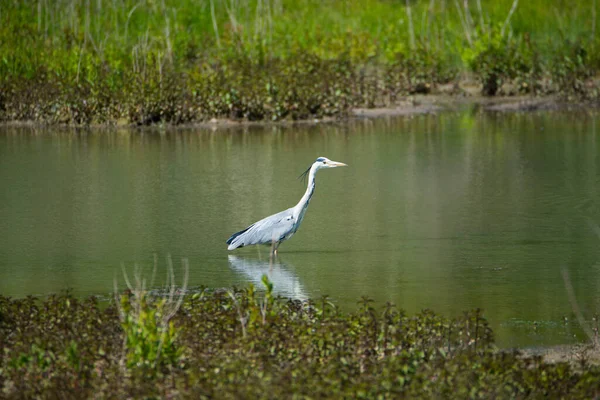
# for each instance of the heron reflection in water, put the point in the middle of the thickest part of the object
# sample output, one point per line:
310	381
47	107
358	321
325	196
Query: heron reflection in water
285	282
276	228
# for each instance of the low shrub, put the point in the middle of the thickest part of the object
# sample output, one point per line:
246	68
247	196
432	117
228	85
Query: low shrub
497	59
249	344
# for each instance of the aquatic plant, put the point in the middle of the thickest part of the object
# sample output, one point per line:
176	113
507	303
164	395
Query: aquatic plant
247	343
150	335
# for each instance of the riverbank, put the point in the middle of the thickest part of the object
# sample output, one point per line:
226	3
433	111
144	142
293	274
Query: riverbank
408	106
425	104
173	63
244	343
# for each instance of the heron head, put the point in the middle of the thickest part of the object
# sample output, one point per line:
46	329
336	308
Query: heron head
324	162
320	163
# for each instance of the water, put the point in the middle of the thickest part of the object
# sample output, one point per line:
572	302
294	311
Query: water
449	212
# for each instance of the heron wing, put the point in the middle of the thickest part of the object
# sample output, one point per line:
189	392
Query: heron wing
266	231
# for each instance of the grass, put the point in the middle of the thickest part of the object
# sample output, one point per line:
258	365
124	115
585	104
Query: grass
246	344
143	61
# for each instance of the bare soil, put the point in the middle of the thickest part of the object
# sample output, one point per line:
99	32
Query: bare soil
577	354
408	106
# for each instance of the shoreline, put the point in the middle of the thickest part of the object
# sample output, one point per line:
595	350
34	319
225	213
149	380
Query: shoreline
572	354
419	104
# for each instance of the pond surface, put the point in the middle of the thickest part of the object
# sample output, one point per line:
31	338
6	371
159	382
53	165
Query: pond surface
450	212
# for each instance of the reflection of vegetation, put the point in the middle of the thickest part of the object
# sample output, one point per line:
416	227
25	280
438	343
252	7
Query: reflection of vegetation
238	344
177	61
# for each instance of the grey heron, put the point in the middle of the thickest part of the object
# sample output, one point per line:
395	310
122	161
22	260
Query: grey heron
276	228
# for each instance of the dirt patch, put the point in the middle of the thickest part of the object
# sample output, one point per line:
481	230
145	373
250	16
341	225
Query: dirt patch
408	106
426	104
404	109
576	354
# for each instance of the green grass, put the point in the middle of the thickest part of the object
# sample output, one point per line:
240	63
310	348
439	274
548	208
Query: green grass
66	34
99	49
245	344
283	25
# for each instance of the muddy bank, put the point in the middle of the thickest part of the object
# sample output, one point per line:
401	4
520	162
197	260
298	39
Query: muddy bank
425	104
409	106
575	354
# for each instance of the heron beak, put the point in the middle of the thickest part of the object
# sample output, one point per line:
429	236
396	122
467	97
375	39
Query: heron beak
334	164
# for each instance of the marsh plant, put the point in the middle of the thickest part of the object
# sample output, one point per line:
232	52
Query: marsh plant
246	343
150	341
147	62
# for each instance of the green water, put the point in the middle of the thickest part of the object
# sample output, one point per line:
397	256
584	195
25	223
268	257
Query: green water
449	212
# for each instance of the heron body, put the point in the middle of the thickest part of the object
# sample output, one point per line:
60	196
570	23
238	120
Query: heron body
276	228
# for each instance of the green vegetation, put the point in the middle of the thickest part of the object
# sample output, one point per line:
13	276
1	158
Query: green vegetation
246	344
149	61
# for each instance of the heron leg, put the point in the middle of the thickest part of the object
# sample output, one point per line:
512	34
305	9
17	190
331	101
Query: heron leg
274	248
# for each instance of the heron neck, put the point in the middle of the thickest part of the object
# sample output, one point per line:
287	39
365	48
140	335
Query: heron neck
310	189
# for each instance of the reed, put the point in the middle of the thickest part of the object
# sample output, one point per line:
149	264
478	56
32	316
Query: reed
105	45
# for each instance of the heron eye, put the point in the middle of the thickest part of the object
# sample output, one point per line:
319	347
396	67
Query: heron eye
324	162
